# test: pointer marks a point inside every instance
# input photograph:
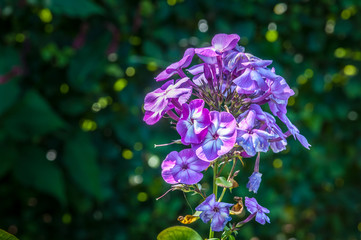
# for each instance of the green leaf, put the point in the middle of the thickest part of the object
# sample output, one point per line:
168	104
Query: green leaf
222	182
179	233
32	117
85	70
9	93
80	159
33	169
6	236
8	155
78	8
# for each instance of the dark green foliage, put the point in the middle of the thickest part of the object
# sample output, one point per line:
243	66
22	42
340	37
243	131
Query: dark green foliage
78	162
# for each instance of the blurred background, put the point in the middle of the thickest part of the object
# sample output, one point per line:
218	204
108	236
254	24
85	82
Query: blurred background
78	162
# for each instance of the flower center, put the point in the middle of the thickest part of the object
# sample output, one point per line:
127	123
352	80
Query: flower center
184	167
216	209
215	136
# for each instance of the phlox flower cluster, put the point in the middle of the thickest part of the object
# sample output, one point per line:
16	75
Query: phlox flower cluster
217	107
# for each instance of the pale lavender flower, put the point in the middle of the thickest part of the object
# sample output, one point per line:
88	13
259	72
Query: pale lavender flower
183	167
218	212
193	124
220	138
253	76
161	100
254	182
251	138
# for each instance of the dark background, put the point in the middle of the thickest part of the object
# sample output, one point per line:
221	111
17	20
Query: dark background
78	162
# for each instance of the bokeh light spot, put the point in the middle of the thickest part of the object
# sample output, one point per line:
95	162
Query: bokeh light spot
301	79
51	155
127	154
88	125
120	84
350	70
64	88
138	146
291	101
280	8
130	71
352	115
154	161
271	35
309	73
19	37
135	40
66	218
345	14
142	197
277	163
152	66
171	2
45	15
340	52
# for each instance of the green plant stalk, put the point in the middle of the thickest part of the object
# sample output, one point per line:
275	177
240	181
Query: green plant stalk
229	177
215	170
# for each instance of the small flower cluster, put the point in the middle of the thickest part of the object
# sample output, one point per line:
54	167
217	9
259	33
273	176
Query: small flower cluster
216	108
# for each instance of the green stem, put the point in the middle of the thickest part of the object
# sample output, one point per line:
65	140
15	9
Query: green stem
215	170
229	177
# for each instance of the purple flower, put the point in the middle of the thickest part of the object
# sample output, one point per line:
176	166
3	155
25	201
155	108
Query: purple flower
294	131
224	42
220	138
254	182
218	212
255	209
177	66
158	102
252	79
220	43
193	124
183	167
250	138
280	93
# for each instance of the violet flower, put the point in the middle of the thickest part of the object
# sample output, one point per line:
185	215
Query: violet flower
158	102
193	124
255	209
250	138
253	76
218	212
220	138
183	167
220	44
177	66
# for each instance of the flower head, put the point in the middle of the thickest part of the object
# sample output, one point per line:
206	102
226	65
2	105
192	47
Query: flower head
218	212
254	208
183	167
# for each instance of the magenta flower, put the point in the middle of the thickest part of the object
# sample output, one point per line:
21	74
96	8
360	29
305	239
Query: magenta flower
158	102
218	212
193	124
183	167
255	209
220	43
177	66
220	138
